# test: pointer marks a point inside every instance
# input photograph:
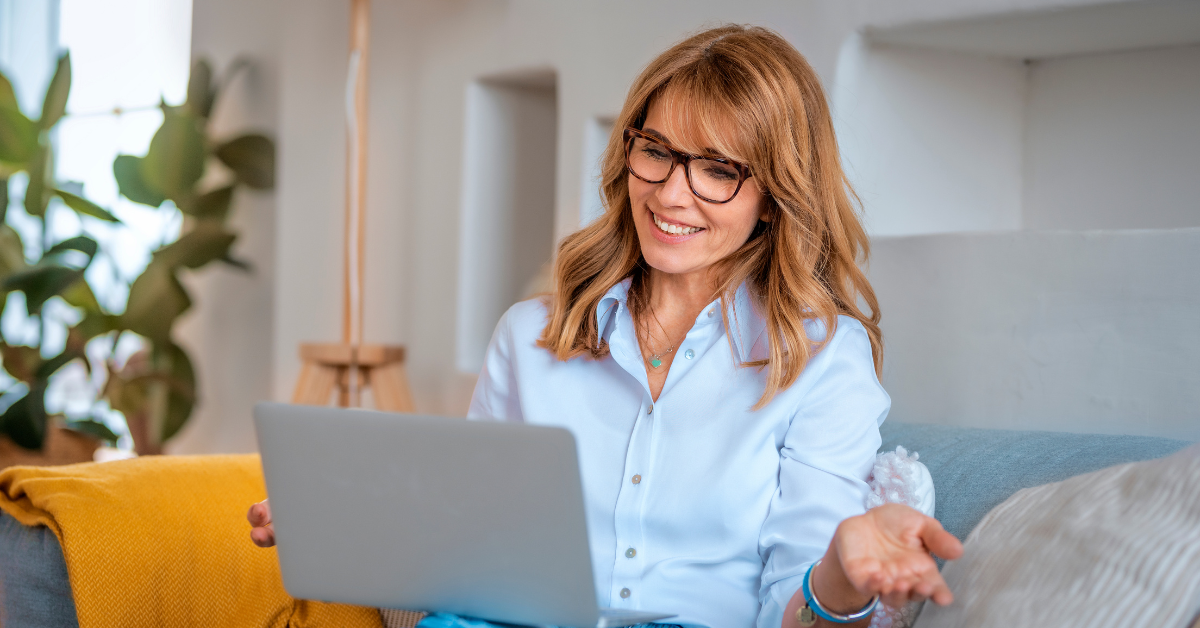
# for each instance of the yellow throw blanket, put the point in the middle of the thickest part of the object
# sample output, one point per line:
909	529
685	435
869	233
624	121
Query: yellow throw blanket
163	541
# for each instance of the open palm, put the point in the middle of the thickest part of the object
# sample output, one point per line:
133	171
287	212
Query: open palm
887	552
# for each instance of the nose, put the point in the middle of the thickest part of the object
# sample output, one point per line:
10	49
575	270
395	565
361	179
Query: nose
674	192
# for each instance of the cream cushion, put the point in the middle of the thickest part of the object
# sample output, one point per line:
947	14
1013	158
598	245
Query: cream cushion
1116	547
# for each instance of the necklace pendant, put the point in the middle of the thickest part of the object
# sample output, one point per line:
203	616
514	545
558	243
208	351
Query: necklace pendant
656	362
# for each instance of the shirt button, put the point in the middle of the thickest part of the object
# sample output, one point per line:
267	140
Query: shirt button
650	410
637	479
689	354
630	553
625	593
712	313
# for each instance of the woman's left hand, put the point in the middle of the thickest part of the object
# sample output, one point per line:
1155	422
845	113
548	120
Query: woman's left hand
887	552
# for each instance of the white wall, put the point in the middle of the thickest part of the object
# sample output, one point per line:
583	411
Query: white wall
931	140
1113	141
1043	330
596	132
424	55
507	202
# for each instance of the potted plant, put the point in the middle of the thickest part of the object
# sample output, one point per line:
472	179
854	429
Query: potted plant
155	390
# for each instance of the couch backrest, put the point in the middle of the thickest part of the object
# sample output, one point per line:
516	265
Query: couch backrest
975	469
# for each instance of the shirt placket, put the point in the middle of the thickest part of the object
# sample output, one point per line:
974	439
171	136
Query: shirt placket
630	510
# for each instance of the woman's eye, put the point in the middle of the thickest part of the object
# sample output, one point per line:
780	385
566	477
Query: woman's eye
656	153
720	173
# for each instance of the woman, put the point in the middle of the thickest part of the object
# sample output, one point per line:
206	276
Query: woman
705	344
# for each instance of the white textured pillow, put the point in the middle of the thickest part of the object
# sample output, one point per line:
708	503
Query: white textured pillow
899	478
1116	547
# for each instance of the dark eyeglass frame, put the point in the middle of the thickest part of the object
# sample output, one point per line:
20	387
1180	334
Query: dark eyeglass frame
680	157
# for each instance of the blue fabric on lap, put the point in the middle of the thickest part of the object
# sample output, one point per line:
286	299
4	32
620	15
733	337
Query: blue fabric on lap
975	469
34	589
445	620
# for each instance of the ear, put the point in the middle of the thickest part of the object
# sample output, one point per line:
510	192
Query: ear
766	211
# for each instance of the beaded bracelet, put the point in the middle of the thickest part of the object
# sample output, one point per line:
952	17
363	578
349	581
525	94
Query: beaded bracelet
812	609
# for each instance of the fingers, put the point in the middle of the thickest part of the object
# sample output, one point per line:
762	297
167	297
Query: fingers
259	516
264	536
899	578
939	541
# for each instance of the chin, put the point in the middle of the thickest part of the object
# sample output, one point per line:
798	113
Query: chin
670	264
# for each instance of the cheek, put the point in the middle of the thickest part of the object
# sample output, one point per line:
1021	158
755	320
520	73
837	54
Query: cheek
638	192
741	222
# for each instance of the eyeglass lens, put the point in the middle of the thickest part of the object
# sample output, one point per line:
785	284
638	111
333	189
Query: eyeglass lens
710	179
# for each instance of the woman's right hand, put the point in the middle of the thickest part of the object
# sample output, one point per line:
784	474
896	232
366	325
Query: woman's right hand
263	533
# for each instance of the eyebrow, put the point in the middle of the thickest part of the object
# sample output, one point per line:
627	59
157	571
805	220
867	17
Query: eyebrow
708	150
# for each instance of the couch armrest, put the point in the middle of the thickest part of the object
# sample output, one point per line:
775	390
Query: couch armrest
34	590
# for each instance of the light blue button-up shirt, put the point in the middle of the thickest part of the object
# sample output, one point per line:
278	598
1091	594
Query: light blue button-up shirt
696	503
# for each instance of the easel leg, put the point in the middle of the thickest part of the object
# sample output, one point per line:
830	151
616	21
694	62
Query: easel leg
315	384
389	383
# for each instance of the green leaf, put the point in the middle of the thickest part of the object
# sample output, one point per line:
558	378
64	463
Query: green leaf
18	136
203	244
81	243
25	420
51	366
212	206
252	158
128	171
8	98
156	299
240	264
80	295
175	161
55	104
84	207
200	92
93	428
20	361
94	323
181	391
12	251
36	198
41	282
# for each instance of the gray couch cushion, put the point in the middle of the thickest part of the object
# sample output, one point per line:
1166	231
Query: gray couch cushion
975	469
34	589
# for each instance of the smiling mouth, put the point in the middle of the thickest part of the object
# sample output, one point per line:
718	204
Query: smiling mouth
674	229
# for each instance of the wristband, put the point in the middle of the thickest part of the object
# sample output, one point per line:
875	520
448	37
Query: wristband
812	609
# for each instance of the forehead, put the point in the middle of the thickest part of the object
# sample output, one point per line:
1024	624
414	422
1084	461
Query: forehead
696	124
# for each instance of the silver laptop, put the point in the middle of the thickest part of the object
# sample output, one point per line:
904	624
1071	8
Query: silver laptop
481	519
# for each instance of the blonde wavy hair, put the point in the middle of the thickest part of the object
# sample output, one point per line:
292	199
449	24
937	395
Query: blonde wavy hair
801	262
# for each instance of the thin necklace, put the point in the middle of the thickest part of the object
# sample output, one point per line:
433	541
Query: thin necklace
656	358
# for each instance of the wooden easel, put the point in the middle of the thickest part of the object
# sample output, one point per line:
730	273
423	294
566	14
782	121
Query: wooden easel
350	366
329	367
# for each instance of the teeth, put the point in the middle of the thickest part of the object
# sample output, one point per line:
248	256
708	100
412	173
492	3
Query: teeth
667	227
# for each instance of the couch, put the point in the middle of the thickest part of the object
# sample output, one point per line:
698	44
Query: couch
973	471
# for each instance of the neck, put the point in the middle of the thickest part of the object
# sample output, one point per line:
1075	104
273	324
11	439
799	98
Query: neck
678	296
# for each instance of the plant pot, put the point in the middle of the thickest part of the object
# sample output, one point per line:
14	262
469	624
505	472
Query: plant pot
62	446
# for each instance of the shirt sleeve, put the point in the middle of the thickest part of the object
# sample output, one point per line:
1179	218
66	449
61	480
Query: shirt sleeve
496	393
826	459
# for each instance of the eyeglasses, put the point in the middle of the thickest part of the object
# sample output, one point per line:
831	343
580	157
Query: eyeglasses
714	179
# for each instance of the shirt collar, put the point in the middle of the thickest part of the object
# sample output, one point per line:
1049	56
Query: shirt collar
748	324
